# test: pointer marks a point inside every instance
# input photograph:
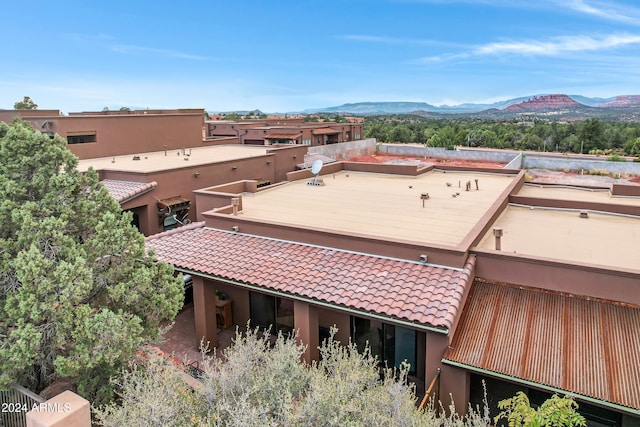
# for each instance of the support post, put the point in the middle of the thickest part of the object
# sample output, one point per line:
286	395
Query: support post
204	311
305	320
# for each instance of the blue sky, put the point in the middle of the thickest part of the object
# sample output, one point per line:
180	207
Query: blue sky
284	56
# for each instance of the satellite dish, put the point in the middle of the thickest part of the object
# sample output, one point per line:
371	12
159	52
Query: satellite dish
316	167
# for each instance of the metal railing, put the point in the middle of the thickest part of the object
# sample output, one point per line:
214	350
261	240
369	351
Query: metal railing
15	403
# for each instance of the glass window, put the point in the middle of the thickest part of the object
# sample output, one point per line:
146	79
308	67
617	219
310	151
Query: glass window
389	343
267	310
262	310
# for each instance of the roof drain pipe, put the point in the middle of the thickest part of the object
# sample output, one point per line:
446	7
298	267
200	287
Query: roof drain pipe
235	202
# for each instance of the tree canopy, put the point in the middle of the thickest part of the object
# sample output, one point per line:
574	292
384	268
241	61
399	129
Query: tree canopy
593	135
78	292
26	104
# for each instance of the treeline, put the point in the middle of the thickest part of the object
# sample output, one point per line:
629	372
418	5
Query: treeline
593	136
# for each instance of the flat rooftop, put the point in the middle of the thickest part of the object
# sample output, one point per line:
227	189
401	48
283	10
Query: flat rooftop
157	161
583	195
607	240
382	205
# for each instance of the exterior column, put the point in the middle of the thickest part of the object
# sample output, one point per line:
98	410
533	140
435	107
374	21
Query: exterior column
204	312
305	320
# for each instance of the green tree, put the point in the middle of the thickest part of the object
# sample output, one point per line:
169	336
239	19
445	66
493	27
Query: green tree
78	291
230	116
26	104
633	147
554	412
592	134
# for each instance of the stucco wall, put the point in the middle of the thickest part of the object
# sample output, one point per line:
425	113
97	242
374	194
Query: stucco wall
531	161
443	153
344	150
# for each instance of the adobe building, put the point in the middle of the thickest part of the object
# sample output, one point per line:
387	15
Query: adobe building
470	275
283	131
152	160
157	186
114	133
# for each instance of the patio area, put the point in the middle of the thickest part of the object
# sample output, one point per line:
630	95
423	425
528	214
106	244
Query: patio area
179	341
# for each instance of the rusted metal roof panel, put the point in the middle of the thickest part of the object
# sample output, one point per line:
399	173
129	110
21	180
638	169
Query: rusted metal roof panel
282	136
324	131
585	346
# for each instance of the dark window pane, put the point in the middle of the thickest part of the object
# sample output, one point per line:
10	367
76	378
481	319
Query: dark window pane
262	310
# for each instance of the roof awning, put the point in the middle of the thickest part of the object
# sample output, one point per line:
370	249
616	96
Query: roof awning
324	131
553	341
174	202
283	136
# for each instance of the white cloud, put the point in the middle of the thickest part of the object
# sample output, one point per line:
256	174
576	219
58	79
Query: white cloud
557	45
609	10
604	9
553	47
396	40
134	50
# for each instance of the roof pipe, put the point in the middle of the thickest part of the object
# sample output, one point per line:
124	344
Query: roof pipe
354	311
588	399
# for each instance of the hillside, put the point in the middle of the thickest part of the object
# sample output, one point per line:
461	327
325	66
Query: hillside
559	106
544	103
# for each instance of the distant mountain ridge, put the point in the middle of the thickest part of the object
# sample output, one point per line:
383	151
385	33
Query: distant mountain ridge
528	104
544	103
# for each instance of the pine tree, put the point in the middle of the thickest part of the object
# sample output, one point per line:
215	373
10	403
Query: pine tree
78	292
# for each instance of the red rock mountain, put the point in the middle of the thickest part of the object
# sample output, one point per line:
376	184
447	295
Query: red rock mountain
623	101
544	102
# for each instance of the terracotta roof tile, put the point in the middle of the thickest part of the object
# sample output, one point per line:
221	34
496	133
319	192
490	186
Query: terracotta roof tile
123	191
398	289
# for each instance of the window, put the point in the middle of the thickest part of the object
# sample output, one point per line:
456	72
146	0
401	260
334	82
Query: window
267	310
306	141
389	343
82	138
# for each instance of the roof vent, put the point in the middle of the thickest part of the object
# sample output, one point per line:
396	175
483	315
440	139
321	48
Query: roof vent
584	214
235	202
423	197
136	157
497	232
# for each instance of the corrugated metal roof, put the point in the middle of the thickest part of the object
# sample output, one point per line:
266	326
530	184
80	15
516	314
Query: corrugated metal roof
585	346
282	136
404	290
324	131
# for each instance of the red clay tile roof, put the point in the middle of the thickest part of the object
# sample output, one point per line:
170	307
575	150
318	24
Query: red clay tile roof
123	191
410	291
583	346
